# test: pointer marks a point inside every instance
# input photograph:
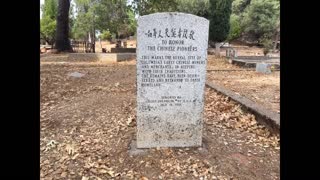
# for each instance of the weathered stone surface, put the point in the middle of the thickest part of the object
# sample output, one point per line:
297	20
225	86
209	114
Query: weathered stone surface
171	71
263	68
76	74
134	151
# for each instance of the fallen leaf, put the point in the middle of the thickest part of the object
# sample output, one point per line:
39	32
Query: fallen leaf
94	171
75	156
70	149
97	178
84	178
52	143
111	173
103	171
64	174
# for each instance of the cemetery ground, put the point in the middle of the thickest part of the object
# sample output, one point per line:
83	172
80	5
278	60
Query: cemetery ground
260	88
88	124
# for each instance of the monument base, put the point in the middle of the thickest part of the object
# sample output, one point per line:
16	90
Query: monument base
169	134
133	150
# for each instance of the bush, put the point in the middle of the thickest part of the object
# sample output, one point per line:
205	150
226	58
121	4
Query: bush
238	6
267	45
48	29
261	18
235	27
106	35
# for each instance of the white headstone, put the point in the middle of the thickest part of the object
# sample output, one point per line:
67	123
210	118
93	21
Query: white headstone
171	72
76	74
263	68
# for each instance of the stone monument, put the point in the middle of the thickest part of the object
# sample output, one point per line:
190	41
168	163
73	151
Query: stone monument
171	72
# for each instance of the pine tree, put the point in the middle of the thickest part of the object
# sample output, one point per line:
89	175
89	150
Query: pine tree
219	21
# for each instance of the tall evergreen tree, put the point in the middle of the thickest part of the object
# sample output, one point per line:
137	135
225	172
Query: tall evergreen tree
220	11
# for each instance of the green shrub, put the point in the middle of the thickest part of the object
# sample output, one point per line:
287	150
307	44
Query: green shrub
267	45
106	35
235	27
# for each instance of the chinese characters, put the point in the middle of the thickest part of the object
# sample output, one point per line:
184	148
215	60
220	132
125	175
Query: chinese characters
173	32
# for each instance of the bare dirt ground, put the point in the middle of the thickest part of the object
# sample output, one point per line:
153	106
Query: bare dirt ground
88	123
261	88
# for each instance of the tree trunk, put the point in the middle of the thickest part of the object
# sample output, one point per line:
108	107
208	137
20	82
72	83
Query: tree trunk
94	41
89	42
217	45
62	36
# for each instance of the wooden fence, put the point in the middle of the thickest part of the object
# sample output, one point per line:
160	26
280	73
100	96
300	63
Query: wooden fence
82	46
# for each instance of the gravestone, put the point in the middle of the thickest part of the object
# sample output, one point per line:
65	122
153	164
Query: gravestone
171	72
76	74
235	53
263	68
227	53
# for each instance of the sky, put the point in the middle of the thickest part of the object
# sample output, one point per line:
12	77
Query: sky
41	2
